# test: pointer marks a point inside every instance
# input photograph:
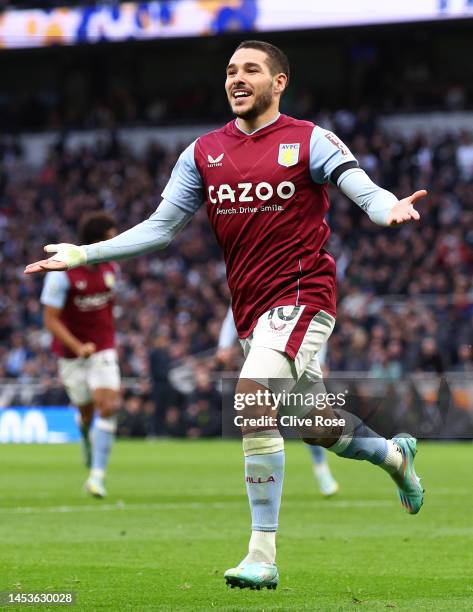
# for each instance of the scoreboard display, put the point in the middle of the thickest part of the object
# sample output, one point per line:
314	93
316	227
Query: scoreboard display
187	18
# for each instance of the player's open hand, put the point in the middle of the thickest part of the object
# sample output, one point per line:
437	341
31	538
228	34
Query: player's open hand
404	210
66	256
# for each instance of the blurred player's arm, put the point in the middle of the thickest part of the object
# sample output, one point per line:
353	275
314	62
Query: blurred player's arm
53	298
182	197
226	340
330	159
53	323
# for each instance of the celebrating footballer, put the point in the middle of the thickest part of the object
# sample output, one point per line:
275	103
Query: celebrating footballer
263	179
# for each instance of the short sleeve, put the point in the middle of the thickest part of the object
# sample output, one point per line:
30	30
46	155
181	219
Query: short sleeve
185	188
329	156
55	289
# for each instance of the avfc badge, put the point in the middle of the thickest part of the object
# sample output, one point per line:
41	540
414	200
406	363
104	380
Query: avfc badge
288	154
109	279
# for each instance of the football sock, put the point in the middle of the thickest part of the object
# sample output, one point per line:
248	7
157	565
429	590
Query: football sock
102	440
264	475
393	460
319	456
360	442
262	547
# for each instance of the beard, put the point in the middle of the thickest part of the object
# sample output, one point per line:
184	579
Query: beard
260	105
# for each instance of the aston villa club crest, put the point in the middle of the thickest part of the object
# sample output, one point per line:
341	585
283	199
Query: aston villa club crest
288	154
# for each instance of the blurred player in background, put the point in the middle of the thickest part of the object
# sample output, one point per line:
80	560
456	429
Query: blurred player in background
78	312
328	486
264	178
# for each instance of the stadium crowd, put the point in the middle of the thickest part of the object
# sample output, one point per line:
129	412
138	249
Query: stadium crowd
76	108
405	295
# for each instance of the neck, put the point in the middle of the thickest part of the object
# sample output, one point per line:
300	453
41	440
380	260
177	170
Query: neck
250	125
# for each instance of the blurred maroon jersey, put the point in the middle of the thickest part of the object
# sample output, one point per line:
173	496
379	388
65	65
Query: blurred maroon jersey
88	310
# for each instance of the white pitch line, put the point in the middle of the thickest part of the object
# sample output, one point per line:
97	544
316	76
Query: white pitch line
99	507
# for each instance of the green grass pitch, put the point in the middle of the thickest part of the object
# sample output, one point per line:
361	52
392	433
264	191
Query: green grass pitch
177	517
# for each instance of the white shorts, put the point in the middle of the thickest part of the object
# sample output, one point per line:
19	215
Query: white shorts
299	332
81	377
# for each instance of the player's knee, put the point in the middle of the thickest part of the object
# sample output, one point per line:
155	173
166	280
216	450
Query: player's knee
254	404
107	403
108	408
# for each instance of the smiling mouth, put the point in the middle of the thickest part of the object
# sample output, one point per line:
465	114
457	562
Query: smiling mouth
241	94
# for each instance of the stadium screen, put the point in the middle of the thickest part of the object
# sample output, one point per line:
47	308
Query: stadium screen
149	20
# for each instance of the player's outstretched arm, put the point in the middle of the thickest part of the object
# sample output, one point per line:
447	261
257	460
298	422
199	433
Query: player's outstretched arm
153	234
381	205
181	199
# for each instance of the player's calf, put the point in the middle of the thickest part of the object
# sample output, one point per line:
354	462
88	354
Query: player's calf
84	423
106	402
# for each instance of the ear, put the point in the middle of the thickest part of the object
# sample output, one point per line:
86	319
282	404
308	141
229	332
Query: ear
280	83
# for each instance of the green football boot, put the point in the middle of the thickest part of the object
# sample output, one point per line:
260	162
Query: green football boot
253	576
410	490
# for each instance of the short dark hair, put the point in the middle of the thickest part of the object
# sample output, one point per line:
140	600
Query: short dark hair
277	59
94	226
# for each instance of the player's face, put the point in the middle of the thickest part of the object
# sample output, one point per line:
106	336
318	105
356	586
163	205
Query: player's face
250	86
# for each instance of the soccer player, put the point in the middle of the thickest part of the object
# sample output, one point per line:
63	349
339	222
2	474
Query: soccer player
264	180
328	486
78	313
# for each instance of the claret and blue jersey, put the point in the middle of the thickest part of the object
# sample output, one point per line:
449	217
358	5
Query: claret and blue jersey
85	297
266	196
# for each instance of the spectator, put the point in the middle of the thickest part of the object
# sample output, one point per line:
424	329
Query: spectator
464	359
161	391
202	416
132	419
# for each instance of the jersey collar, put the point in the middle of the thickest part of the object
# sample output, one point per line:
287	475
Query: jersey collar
257	129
